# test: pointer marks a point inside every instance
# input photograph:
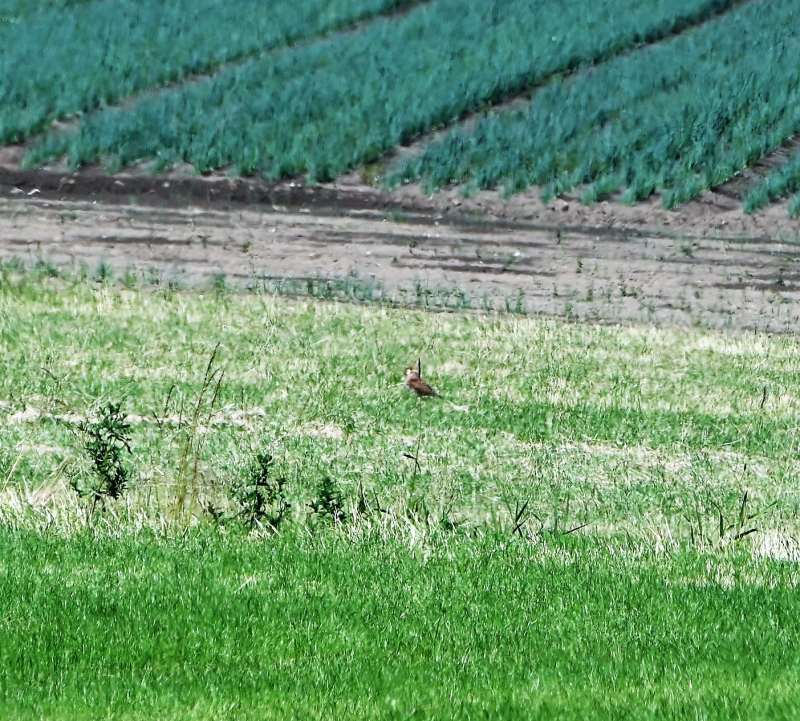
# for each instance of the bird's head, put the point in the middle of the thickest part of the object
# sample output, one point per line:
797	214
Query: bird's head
411	372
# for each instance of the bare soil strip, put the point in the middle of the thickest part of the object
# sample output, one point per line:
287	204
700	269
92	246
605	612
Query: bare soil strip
707	264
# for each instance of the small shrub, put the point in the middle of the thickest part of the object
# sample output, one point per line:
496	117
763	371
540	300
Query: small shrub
129	279
329	506
105	273
262	497
219	284
107	439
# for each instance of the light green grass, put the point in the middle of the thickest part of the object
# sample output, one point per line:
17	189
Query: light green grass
423	602
617	428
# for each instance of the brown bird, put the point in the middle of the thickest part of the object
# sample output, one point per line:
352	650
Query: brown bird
415	383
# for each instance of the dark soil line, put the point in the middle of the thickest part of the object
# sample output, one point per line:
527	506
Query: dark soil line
567	247
775	276
21	242
91	184
764	257
480	264
571	241
473	268
156	191
762	286
420	243
425	214
159	240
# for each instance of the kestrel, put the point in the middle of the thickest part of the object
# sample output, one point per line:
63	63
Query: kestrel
415	383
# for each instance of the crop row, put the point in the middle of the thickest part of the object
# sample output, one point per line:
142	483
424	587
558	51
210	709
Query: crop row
332	105
62	62
678	117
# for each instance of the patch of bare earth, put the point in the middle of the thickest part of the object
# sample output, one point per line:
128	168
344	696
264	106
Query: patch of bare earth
705	264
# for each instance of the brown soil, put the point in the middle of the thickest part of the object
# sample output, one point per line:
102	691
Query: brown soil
706	263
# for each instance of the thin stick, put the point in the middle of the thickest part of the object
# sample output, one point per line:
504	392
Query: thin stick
519	520
50	481
16	461
13	468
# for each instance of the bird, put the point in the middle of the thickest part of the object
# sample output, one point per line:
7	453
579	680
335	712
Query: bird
415	382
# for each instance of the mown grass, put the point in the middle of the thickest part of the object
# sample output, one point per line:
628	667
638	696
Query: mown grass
629	426
593	522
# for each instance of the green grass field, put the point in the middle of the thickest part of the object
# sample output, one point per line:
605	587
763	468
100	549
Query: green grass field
227	505
374	625
592	522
